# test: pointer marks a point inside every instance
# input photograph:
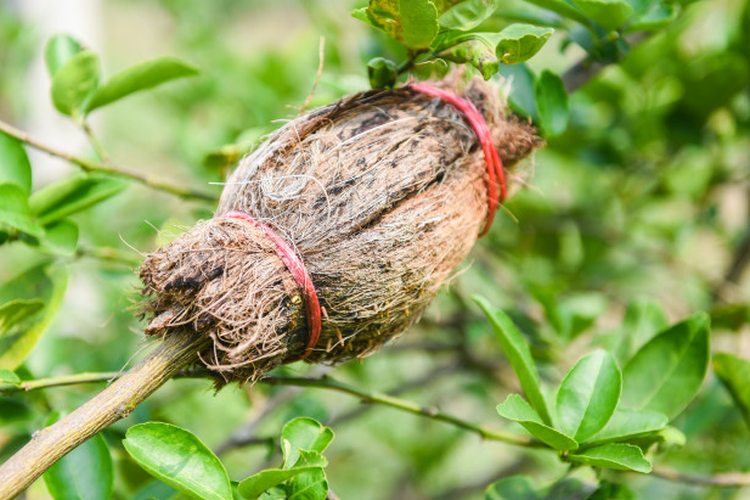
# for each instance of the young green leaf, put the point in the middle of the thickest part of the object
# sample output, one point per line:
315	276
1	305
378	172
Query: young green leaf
14	210
14	164
519	356
519	42
551	103
41	283
617	456
413	23
467	15
588	395
178	458
303	434
734	373
656	18
610	14
71	195
86	473
667	372
60	238
7	376
16	311
310	485
382	73
643	319
517	409
257	484
140	77
629	424
59	49
75	82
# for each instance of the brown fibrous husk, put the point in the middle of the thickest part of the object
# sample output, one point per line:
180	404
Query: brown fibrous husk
382	194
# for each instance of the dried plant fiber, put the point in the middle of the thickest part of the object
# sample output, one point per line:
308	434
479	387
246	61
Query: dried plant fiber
382	194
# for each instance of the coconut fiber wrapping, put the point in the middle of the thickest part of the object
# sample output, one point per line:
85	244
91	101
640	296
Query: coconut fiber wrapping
382	195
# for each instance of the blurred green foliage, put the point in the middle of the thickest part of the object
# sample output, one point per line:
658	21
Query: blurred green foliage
639	206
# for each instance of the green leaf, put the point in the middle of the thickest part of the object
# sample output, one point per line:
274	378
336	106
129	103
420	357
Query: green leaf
382	73
630	424
14	163
311	485
524	488
656	18
60	49
14	210
610	14
667	372
71	195
519	42
86	473
60	238
178	458
519	356
140	77
413	23
521	96
551	103
517	409
8	377
617	456
305	434
643	319
588	395
564	9
75	82
259	483
467	15
16	311
477	52
734	373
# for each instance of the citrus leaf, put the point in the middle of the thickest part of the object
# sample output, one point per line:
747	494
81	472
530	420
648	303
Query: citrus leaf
617	456
551	103
59	49
14	163
74	83
178	458
475	52
629	424
467	15
412	23
140	77
86	473
588	395
519	356
667	372
610	14
517	409
734	373
16	311
42	283
259	483
643	319
519	42
14	210
303	434
310	485
8	377
656	18
60	238
70	196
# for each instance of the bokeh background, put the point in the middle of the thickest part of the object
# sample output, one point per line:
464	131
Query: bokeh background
643	202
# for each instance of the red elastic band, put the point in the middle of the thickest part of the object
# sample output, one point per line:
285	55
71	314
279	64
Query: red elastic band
301	276
477	123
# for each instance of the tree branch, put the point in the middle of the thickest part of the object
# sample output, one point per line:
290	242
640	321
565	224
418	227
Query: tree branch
724	480
49	445
108	167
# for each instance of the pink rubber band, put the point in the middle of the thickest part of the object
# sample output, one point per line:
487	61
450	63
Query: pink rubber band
292	261
476	121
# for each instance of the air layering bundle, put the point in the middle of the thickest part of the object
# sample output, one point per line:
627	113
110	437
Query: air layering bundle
335	234
329	240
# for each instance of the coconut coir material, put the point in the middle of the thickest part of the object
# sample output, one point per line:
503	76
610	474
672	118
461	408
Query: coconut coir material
382	194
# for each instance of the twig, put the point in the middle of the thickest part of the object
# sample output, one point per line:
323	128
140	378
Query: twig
108	254
403	405
723	480
103	156
740	261
109	167
113	403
